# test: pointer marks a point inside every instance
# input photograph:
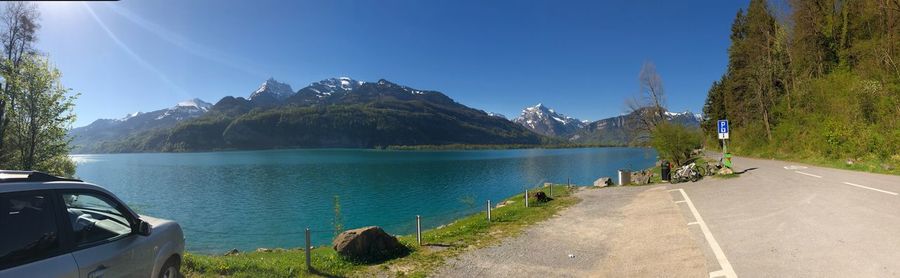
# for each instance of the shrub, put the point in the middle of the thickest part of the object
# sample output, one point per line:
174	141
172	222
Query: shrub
675	142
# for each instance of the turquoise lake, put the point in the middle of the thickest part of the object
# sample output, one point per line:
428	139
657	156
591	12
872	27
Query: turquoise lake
251	199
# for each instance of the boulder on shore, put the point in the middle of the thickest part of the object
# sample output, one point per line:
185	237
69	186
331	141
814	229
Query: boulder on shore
604	181
232	252
641	177
542	197
368	244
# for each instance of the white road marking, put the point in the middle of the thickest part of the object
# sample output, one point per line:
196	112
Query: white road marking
717	273
808	174
693	223
794	167
727	270
869	188
678	202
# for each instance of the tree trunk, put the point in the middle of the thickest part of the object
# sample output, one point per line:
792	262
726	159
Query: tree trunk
766	122
2	129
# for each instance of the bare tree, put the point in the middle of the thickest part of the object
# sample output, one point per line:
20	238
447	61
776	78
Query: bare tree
649	104
20	24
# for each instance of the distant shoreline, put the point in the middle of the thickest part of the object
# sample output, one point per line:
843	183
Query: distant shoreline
449	147
498	147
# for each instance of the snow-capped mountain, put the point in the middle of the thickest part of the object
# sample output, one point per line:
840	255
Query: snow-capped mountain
184	110
543	120
274	89
331	86
194	103
86	137
336	112
347	90
498	115
620	130
684	117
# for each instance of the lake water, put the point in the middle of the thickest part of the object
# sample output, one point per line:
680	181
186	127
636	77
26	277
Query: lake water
250	199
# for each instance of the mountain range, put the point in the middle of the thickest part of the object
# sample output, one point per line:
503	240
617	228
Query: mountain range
336	112
616	130
546	121
341	112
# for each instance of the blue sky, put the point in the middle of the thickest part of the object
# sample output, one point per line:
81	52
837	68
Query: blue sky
580	58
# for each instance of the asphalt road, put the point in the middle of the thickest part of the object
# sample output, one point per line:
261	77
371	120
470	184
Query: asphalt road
783	219
778	219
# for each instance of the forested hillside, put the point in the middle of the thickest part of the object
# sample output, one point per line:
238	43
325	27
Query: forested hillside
371	115
818	80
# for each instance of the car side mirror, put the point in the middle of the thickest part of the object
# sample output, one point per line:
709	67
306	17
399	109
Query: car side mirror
144	228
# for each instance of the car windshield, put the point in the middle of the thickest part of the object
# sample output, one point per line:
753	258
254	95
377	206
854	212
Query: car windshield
87	210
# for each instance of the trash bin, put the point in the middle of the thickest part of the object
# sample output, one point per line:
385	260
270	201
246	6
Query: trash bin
624	176
665	171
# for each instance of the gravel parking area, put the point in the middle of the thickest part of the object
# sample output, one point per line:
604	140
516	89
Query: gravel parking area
619	231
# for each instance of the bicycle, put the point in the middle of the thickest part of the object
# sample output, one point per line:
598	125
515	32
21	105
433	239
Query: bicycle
690	172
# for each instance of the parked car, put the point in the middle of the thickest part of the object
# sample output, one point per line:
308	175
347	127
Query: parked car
57	227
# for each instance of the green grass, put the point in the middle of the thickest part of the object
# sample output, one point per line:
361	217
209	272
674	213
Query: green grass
869	164
468	233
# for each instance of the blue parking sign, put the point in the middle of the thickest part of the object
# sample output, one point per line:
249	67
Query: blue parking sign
723	126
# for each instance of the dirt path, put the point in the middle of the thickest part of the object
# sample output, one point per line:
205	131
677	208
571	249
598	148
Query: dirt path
613	232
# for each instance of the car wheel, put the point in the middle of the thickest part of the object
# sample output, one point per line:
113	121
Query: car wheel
171	268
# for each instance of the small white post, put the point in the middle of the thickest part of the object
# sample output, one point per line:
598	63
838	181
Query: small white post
551	190
419	230
308	247
526	198
489	210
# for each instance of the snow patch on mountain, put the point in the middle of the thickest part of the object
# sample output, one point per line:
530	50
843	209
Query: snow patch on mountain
129	116
498	115
332	86
195	103
277	89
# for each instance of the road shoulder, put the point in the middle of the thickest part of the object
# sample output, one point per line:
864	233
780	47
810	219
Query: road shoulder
621	232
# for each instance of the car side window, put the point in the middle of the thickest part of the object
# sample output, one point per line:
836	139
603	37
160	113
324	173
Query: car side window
94	217
28	229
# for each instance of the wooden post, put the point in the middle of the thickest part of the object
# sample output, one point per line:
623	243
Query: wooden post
308	247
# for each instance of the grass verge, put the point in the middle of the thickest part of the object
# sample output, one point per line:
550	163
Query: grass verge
468	233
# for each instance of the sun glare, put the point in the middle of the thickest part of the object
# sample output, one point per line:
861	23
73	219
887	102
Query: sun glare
58	9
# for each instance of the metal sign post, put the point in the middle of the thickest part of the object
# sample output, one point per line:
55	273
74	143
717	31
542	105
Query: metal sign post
724	131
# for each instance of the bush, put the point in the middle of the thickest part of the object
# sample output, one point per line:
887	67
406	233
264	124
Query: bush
675	142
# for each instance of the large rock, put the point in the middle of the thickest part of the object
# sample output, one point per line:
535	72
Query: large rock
725	171
604	181
542	197
368	244
641	177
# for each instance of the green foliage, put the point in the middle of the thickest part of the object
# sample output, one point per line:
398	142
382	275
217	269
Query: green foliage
35	134
833	84
675	142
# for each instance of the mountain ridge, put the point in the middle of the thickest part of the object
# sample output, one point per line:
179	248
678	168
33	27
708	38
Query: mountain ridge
335	112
